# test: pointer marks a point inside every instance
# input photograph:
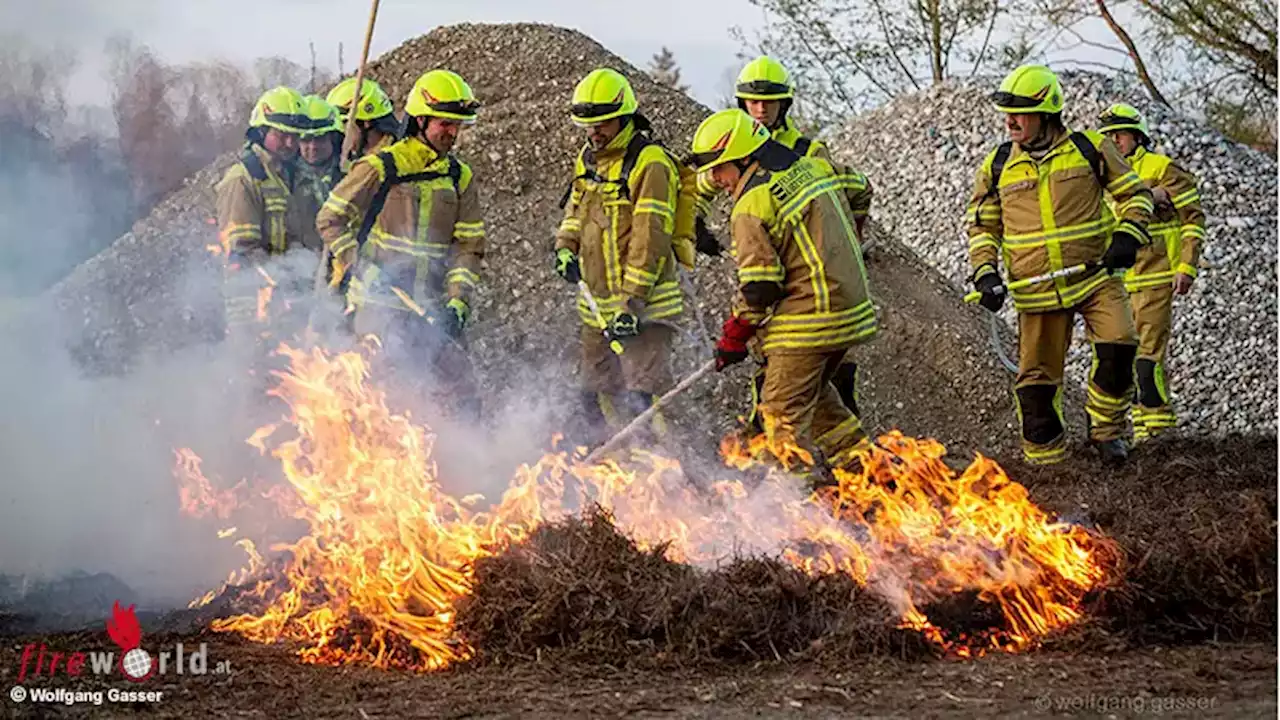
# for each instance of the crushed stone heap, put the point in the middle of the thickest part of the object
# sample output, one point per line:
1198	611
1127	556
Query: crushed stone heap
930	373
922	151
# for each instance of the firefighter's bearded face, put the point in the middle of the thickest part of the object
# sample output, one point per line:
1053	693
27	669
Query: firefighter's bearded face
602	133
765	112
441	133
281	144
316	150
1023	127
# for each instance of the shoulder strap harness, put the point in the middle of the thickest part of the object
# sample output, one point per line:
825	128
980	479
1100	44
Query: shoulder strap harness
392	177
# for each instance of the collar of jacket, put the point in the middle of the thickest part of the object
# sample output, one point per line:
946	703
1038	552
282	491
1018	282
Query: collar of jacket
1054	146
1136	155
617	147
413	155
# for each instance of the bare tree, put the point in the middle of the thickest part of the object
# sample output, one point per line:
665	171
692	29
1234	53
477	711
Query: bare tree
664	70
853	54
1239	36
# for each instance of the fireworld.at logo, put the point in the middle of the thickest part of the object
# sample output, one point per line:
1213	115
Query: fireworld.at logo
134	662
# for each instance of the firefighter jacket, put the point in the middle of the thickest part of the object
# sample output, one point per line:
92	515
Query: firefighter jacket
263	208
1176	232
427	240
1049	214
794	227
624	245
260	206
854	184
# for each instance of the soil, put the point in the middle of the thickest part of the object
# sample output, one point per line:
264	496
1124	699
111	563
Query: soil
1228	681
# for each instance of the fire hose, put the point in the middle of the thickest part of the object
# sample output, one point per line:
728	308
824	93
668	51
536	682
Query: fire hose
997	345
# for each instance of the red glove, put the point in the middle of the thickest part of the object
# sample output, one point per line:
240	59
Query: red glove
732	347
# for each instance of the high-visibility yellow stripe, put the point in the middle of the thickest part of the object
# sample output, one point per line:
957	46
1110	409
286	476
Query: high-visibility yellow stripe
1186	198
817	269
761	273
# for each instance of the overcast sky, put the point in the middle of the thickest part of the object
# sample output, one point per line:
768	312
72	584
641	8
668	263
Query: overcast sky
697	31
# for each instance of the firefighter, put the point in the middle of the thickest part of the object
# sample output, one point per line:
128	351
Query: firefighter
800	267
1165	268
765	91
1038	200
375	115
261	208
616	235
321	147
407	236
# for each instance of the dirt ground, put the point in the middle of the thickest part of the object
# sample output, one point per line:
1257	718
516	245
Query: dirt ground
1233	681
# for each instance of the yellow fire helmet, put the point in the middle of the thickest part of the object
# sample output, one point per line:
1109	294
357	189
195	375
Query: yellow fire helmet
442	94
280	108
1029	89
374	101
764	79
1122	116
726	136
321	116
602	95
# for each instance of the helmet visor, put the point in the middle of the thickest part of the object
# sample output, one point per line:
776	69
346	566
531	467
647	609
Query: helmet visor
1009	100
587	111
295	123
762	87
703	159
1114	120
465	108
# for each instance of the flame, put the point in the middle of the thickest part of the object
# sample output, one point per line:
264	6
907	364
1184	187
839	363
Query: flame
196	495
388	552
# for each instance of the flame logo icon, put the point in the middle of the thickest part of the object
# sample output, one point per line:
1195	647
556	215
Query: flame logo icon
135	663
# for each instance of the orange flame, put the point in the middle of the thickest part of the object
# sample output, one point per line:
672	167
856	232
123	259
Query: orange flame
389	552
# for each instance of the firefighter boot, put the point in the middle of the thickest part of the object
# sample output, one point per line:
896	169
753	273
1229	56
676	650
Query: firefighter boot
1113	452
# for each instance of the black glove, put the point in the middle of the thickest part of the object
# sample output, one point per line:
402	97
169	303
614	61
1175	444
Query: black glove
455	316
703	240
567	265
993	291
1123	252
624	325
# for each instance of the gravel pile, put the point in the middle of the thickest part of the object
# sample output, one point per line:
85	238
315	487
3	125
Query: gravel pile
923	150
156	289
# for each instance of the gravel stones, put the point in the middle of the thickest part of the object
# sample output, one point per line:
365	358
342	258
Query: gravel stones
923	150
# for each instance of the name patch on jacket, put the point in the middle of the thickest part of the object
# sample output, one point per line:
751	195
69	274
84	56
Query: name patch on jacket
798	177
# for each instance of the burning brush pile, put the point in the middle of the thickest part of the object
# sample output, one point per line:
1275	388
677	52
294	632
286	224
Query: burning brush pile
393	571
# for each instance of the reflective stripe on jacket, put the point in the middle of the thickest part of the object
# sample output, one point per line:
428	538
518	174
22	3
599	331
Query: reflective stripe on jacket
428	241
624	245
1050	214
1177	232
794	227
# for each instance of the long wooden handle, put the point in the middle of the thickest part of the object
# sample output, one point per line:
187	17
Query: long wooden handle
645	416
344	161
349	135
